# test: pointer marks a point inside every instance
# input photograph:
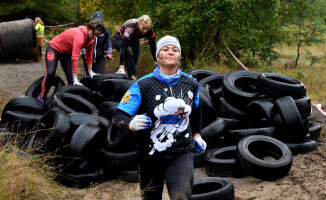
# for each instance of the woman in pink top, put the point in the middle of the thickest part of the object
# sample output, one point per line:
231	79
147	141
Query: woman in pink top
65	48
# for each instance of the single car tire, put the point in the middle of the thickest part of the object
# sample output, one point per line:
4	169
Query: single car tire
252	151
278	85
212	188
73	103
35	88
239	88
221	163
303	148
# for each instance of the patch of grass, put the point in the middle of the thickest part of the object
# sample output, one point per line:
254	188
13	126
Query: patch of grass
26	176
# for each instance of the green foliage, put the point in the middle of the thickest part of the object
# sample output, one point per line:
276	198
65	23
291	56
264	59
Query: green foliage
250	28
51	12
303	24
268	69
300	74
313	59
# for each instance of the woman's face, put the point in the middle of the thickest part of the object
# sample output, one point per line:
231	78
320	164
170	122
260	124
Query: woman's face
169	56
92	34
143	28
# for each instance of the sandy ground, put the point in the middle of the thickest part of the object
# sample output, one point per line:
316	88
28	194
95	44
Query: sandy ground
306	180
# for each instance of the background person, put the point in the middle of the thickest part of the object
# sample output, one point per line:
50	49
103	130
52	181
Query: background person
168	97
99	50
126	40
66	48
39	27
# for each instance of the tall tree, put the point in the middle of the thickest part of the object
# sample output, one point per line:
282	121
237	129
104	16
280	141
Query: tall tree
303	25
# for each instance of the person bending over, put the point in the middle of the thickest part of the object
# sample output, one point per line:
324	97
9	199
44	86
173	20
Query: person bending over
65	48
126	40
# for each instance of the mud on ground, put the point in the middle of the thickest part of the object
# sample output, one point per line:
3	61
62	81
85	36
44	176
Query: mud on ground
306	180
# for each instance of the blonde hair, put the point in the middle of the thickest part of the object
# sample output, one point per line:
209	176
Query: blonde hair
145	19
37	19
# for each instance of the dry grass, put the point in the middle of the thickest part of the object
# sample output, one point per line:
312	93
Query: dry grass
26	176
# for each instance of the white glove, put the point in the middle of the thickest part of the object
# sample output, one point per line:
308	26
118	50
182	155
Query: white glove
140	122
91	73
200	144
76	82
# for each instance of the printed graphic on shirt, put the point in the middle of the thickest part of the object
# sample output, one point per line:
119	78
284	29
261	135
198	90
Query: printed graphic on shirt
126	97
172	118
126	35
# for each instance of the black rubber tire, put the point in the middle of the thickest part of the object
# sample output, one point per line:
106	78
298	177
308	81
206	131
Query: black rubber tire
234	136
262	109
250	154
109	87
213	129
302	148
82	91
86	141
119	140
27	104
73	103
291	120
304	106
80	180
122	91
98	80
314	132
87	82
214	81
221	163
200	74
278	85
207	108
19	121
129	176
35	88
100	98
212	188
77	119
239	88
231	123
107	108
120	161
50	133
229	111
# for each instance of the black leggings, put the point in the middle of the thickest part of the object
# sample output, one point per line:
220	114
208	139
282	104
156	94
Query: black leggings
131	57
178	174
97	67
51	62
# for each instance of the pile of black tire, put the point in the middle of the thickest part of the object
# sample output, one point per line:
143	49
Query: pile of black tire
74	125
253	124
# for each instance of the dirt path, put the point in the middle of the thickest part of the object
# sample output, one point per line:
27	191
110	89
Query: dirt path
306	180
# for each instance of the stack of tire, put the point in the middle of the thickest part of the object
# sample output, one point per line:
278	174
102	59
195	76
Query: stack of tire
74	125
247	118
253	123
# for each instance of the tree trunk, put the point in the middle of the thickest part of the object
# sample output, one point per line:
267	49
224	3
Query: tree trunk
298	47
